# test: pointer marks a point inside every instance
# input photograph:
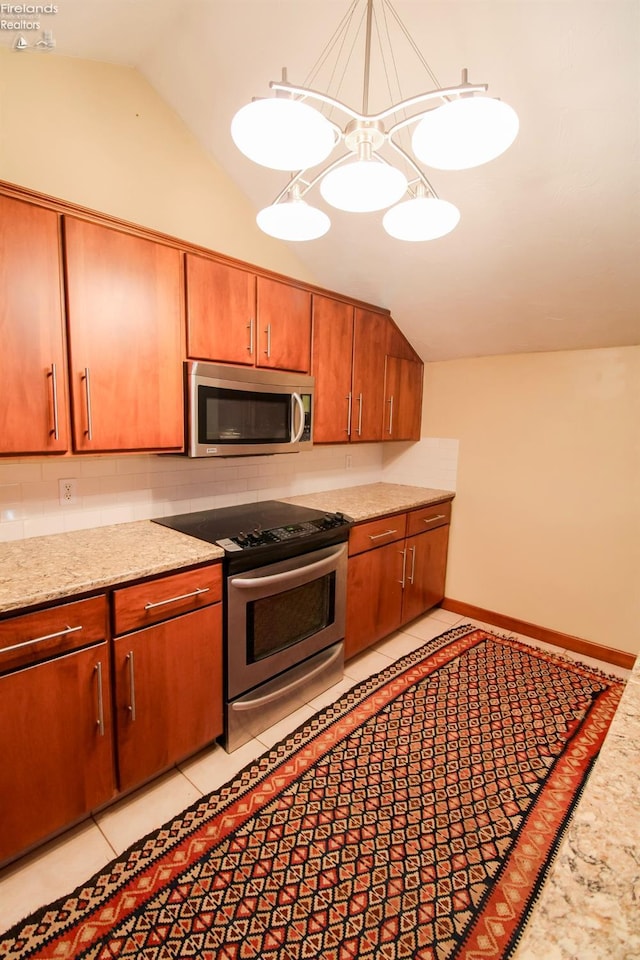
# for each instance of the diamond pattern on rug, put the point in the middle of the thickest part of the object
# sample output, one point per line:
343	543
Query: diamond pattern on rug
413	822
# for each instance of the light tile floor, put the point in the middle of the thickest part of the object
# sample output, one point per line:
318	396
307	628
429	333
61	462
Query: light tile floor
59	866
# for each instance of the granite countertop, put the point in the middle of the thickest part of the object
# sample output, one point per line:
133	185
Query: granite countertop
372	499
589	907
43	569
46	569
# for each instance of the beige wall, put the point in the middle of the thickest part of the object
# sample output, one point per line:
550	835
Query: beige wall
546	524
98	135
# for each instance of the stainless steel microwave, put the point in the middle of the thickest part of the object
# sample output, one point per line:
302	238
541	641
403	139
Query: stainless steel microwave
242	411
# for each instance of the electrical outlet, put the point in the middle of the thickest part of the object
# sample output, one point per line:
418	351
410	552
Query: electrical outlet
68	492
347	462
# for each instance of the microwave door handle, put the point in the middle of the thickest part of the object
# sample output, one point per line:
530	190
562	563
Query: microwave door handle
298	399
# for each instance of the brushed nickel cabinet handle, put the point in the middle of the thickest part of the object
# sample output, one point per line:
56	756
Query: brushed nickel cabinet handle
413	565
440	516
349	400
250	329
100	720
390	402
87	391
132	686
267	330
378	536
360	415
403	554
47	636
184	596
54	392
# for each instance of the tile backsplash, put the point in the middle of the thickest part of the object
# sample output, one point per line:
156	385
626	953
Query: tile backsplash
112	489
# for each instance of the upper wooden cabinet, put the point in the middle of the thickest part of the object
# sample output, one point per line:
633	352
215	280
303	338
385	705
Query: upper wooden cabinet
283	326
221	311
348	362
33	372
402	399
234	316
124	304
331	365
369	337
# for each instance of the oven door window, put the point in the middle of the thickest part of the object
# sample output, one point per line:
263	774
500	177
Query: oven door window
277	622
231	416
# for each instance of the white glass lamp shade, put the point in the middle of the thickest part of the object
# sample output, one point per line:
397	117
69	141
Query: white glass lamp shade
293	220
282	134
360	186
425	218
465	133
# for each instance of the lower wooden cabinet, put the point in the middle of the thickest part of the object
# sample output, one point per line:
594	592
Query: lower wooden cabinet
56	744
397	568
168	693
84	717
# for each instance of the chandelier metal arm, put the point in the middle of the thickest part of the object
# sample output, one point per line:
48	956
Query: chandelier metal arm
414	166
298	178
442	94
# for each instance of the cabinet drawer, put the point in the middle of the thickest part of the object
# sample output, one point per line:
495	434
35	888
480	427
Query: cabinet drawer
166	597
428	517
33	637
376	533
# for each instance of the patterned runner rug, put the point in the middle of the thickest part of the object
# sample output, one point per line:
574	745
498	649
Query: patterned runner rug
414	818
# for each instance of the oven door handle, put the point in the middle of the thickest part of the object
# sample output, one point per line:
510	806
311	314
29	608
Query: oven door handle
250	702
316	569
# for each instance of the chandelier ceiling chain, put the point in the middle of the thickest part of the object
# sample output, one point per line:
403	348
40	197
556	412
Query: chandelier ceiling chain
454	128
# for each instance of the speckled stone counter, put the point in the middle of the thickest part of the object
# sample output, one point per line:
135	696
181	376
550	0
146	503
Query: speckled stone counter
589	907
372	499
44	569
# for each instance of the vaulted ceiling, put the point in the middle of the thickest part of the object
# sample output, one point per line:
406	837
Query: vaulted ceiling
547	252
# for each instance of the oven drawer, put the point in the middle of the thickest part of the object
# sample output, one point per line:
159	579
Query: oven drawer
166	597
32	637
377	533
427	518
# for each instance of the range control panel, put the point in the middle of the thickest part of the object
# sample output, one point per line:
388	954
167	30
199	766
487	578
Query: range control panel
291	531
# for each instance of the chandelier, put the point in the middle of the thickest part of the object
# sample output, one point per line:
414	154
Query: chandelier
451	128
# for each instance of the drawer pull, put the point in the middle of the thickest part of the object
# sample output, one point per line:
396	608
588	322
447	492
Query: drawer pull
100	720
48	636
440	516
132	687
184	596
378	536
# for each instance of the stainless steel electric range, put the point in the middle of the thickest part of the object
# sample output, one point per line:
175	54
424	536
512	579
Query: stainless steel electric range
285	585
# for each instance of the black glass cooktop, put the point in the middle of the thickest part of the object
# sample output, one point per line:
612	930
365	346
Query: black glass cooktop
258	533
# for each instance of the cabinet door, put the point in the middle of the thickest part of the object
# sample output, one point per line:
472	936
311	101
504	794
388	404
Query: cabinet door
331	366
33	373
125	325
425	572
368	374
221	311
403	399
374	596
168	681
283	326
56	746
